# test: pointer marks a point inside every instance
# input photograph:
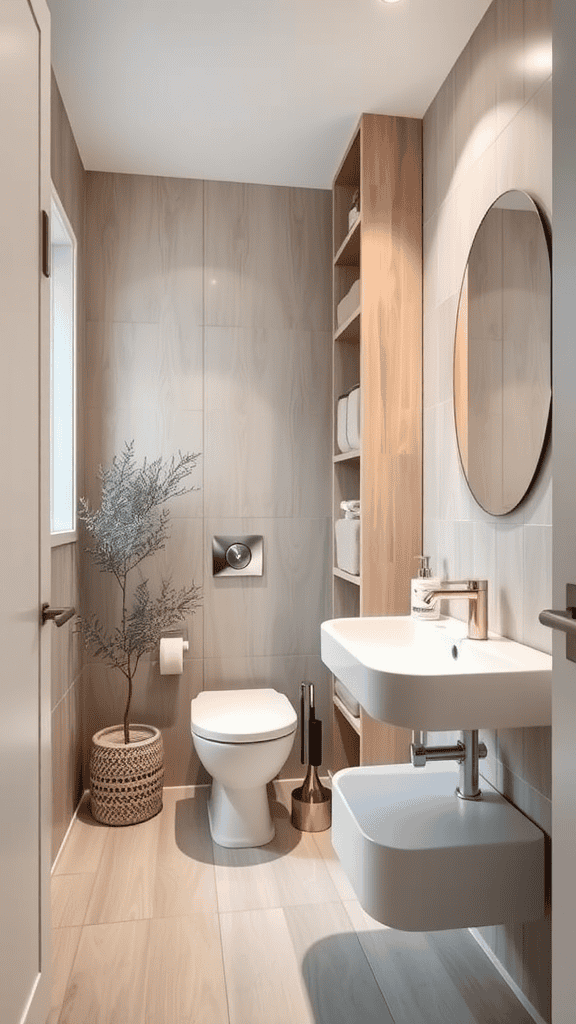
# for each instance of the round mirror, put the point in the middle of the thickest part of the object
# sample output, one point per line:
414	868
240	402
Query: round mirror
502	364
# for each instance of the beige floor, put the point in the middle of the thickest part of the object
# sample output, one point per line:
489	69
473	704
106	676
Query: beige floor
155	925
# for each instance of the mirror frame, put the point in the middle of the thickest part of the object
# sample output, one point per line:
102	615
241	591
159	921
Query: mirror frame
547	430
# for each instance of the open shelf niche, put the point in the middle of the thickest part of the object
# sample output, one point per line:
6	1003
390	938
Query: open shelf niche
379	346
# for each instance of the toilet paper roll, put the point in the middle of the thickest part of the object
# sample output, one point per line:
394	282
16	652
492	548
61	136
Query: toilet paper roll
172	655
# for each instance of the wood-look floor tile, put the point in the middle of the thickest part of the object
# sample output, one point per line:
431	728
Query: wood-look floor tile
286	872
108	980
338	978
185	881
84	845
435	977
185	981
335	870
70	899
64	945
124	886
263	978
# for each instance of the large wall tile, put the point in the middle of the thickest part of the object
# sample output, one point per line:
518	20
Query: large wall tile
537	44
158	429
447	314
455	498
250	392
66	662
181	561
181	227
267	423
67	171
144	249
164	701
66	763
69	179
509	60
475	80
459	218
524	150
279	612
140	364
537	506
510	581
537	586
267	256
446	137
484	564
123	262
284	675
432	504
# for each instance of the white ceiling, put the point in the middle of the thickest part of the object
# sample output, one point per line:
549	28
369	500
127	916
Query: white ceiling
246	90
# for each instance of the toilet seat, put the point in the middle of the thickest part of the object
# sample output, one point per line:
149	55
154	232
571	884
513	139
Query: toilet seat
242	716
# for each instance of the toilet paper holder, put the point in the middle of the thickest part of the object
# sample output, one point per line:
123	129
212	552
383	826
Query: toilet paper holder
172	661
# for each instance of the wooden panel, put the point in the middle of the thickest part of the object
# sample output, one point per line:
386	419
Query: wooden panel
381	743
346	182
345	741
391	488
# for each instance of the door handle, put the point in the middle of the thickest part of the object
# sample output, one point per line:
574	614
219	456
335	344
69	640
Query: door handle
58	615
564	620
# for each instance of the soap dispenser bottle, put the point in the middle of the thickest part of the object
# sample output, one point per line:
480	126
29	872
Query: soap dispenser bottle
420	586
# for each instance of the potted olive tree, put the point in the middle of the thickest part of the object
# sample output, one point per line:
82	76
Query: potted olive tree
131	524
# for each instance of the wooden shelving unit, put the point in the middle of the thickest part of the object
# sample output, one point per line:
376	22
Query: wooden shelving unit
379	347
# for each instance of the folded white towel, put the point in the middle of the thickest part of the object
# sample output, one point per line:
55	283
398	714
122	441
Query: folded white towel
351	508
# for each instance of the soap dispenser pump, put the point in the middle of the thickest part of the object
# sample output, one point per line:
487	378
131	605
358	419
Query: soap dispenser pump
420	586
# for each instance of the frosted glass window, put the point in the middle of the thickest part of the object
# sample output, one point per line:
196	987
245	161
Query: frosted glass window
62	380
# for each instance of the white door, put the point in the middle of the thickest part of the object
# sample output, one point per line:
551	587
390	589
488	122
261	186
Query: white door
24	557
564	516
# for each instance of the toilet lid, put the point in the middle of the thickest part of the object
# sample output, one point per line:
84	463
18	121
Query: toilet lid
242	716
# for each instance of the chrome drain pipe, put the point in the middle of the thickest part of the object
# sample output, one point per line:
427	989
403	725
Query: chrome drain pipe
467	752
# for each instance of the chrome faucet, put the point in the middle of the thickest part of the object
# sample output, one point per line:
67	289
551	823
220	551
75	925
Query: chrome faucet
473	591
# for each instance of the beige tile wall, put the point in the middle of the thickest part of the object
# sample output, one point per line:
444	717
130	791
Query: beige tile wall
208	330
68	177
488	130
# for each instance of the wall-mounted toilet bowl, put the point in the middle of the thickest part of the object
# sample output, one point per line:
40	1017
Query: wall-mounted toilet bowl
242	738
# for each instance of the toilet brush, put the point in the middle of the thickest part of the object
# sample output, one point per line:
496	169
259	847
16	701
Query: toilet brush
311	802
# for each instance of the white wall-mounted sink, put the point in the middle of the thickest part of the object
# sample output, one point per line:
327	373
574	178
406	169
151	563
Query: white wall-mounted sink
428	675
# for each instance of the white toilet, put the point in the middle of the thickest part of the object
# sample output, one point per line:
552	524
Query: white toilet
242	738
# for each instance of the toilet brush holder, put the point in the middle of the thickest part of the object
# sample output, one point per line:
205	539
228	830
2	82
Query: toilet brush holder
311	802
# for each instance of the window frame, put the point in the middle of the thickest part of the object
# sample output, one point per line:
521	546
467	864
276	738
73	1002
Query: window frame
62	537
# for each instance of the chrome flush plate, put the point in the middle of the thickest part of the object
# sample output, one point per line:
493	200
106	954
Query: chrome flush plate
237	556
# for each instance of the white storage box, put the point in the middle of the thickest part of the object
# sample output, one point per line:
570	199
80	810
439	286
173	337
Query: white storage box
348	421
349	304
353	419
347	699
347	533
342	424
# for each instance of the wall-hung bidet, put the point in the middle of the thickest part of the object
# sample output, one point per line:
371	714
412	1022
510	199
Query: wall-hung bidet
419	858
242	738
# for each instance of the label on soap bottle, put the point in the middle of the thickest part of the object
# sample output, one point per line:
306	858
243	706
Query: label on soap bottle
420	587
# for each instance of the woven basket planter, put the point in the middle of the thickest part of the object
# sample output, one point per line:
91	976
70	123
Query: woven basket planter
126	781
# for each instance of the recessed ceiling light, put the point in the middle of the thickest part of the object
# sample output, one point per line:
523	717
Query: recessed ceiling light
390	1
